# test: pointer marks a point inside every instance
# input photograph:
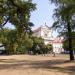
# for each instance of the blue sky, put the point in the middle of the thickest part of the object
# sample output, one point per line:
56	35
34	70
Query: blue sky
42	14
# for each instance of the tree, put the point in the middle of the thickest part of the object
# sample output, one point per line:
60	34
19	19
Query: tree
64	14
38	44
46	49
65	43
49	48
25	45
9	40
17	12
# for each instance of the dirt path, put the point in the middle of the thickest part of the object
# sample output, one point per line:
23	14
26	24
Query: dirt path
36	65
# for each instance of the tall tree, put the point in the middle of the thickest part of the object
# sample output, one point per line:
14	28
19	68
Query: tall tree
9	40
17	12
64	14
65	43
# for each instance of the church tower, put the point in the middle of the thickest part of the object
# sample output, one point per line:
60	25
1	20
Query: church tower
45	32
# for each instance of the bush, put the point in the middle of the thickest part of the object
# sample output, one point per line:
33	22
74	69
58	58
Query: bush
39	47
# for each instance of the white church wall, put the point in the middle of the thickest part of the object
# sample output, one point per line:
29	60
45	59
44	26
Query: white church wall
57	47
46	33
46	42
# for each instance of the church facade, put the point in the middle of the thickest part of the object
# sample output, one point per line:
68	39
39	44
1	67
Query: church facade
46	33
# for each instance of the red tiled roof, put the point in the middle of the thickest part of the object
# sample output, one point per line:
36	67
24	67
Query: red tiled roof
57	40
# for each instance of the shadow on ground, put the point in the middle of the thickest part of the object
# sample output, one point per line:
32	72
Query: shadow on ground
51	65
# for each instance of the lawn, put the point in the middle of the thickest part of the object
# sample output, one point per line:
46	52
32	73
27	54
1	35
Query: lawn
36	65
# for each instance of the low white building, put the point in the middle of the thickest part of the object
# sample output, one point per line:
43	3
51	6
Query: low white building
47	34
57	45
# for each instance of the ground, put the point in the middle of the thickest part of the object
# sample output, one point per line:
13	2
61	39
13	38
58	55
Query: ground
36	65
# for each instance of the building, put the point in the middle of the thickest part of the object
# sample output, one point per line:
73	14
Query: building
57	45
46	33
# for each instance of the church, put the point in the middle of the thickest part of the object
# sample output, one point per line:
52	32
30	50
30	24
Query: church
46	33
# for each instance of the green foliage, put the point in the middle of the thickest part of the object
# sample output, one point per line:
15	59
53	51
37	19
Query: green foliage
10	39
25	44
3	35
65	20
49	48
66	46
65	11
16	12
37	41
39	47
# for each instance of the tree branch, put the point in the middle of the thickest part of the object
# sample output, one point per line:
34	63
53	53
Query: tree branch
1	26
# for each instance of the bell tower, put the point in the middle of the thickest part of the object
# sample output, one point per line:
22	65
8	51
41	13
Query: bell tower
46	31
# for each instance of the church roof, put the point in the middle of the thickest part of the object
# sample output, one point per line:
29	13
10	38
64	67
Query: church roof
39	28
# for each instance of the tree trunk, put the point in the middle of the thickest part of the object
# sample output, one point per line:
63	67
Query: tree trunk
70	42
